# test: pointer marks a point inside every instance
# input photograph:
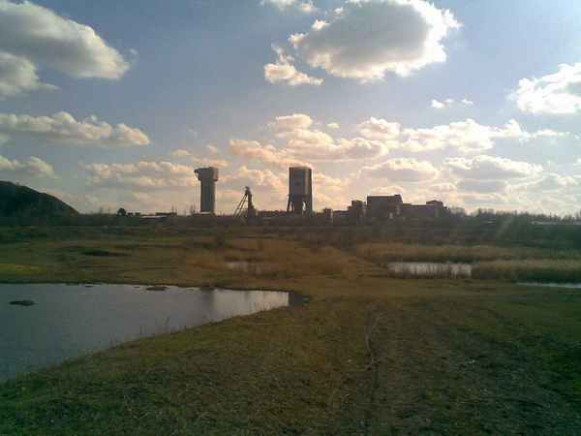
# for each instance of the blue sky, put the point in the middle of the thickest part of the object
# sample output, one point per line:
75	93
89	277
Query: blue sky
421	98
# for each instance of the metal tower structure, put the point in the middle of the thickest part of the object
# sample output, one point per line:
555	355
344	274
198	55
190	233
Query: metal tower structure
245	208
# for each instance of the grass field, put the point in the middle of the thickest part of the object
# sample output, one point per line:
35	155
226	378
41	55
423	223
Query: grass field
368	355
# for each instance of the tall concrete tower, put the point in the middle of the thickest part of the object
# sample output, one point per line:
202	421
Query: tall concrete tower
300	187
208	178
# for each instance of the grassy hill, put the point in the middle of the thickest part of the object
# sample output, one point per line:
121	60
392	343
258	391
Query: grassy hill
18	201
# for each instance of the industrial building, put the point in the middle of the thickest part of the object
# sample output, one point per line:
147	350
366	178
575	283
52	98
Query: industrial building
377	208
382	207
300	197
208	178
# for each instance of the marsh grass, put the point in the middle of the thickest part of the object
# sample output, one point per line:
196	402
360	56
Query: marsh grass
273	259
12	269
535	270
396	252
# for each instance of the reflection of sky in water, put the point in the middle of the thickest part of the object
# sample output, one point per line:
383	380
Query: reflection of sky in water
67	321
431	269
552	285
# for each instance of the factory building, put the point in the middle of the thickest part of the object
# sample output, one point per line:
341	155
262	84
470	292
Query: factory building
431	210
300	197
383	207
356	212
208	178
378	208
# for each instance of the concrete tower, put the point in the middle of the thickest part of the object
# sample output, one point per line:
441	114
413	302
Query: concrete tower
208	178
300	187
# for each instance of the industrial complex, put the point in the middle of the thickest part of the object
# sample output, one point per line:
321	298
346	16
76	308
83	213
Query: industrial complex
376	208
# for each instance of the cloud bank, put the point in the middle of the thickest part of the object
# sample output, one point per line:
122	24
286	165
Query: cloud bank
62	127
142	176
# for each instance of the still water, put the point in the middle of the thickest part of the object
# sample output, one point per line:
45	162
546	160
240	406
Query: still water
71	320
430	270
552	285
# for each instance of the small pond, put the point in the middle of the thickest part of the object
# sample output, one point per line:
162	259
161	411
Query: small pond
55	322
430	270
552	285
245	267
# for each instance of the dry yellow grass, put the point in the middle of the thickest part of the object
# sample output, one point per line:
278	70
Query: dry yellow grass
383	252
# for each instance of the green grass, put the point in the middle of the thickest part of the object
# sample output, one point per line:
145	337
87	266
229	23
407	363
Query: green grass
368	355
8	270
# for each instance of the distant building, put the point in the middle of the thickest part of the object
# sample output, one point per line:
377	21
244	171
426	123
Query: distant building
384	207
431	210
328	215
300	197
356	212
208	178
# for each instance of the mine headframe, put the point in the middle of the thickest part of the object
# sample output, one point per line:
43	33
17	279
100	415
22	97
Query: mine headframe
245	208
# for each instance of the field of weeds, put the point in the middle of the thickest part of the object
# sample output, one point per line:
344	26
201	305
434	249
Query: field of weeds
533	270
397	252
368	354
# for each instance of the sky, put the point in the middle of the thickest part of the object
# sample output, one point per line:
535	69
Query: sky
113	104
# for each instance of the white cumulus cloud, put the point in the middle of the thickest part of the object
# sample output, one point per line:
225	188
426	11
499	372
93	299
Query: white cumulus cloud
450	102
403	170
557	94
263	178
19	76
143	175
370	38
32	167
63	127
303	141
305	6
486	167
40	35
284	72
33	37
264	153
467	136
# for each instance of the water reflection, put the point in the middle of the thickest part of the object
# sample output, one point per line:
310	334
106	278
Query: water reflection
552	285
68	321
245	267
430	270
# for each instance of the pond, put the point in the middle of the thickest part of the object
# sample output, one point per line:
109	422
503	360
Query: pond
245	267
552	285
44	324
430	270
